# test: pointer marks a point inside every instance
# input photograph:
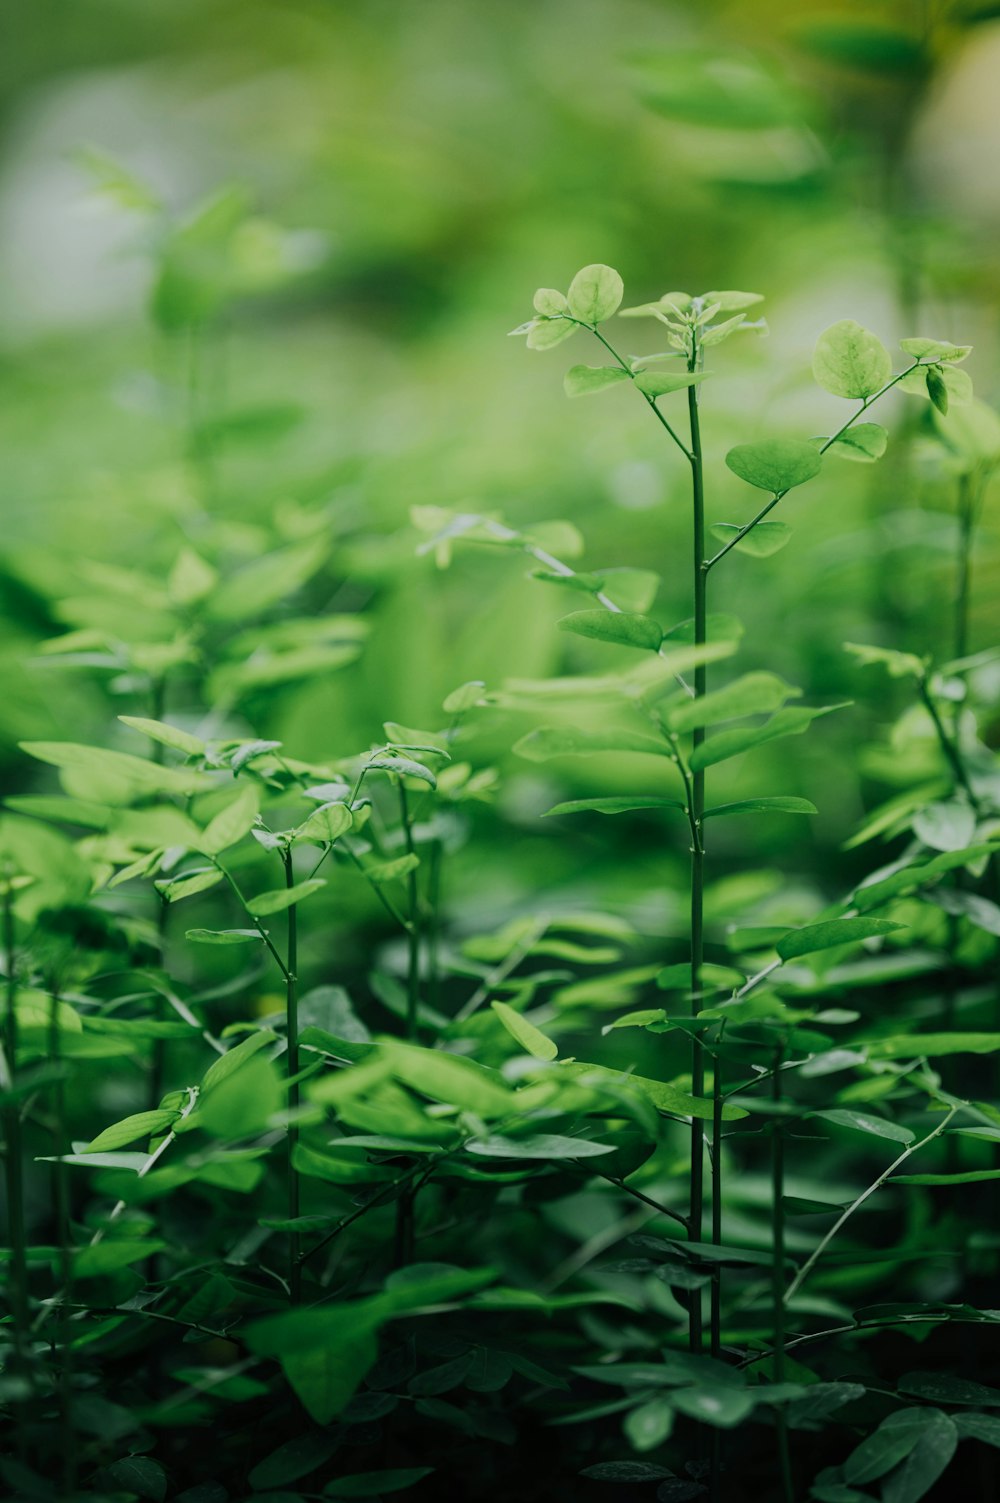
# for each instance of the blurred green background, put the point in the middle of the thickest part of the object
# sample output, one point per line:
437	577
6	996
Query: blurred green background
259	261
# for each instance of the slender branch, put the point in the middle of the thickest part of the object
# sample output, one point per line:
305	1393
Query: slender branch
949	748
292	1035
811	1261
265	936
650	401
778	1271
779	495
12	1144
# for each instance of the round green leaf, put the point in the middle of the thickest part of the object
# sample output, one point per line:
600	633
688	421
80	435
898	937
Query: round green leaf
760	542
849	361
621	627
582	380
775	464
595	293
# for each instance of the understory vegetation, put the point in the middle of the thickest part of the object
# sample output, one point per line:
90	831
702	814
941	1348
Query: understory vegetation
473	1026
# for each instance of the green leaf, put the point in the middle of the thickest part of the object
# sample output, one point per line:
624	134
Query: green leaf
595	294
268	580
166	735
281	898
614	626
894	1439
937	390
546	333
130	1129
187	886
235	1058
450	1078
935	349
224	936
984	1427
876	1127
732	302
898	664
391	871
925	1462
532	1040
375	1484
661	383
242	1102
140	1476
583	380
719	1406
946	1388
113	777
752	694
549	302
920	874
111	1256
932	1045
651	1424
566	741
325	824
849	361
970	1177
780	804
294	1458
832	932
232	823
402	767
539	1146
862	441
760	542
466	697
945	826
623	805
775	464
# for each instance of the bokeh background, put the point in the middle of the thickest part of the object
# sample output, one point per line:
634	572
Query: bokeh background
259	261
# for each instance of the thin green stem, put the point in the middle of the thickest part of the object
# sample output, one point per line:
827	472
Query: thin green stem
60	1198
292	1034
650	401
778	1271
948	746
13	1148
817	1253
413	930
738	537
963	589
697	805
265	936
434	923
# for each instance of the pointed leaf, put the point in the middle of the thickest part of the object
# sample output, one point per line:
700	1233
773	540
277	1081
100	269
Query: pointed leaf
876	1127
614	626
166	735
726	744
531	1039
623	805
232	823
780	804
566	741
833	932
281	898
661	383
753	694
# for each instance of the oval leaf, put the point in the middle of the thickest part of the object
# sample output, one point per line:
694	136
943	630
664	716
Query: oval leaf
583	380
775	464
615	626
849	361
283	897
595	293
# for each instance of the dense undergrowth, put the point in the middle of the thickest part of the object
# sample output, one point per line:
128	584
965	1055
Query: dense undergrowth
317	1188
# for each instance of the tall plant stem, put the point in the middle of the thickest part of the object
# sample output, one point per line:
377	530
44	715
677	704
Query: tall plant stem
292	1029
12	1144
413	933
699	577
963	583
60	1186
778	1272
403	1249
